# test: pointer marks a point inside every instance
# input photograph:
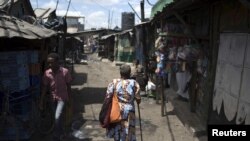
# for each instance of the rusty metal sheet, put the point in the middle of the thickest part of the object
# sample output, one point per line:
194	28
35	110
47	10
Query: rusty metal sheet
12	27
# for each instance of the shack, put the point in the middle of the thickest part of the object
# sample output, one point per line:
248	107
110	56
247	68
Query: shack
23	52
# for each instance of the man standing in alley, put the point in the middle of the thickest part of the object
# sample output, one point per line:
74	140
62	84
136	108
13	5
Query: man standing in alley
57	80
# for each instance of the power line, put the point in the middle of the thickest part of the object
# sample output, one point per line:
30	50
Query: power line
57	4
134	10
111	20
108	19
68	8
109	15
100	5
71	5
150	3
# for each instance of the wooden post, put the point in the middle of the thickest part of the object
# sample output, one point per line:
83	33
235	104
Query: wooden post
142	11
193	87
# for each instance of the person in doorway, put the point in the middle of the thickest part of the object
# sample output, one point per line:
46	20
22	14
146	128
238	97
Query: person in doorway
127	91
57	80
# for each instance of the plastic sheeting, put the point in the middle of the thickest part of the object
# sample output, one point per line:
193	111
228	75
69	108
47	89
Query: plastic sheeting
233	77
189	53
126	49
182	78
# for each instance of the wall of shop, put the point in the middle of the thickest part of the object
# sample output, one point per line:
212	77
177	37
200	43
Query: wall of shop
226	16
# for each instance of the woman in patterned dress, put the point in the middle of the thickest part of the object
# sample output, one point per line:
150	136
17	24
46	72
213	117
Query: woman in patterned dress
127	92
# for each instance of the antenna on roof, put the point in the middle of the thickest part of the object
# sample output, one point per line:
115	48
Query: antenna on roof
150	3
57	4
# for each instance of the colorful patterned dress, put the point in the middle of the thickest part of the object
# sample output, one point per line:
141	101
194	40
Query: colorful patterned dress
127	91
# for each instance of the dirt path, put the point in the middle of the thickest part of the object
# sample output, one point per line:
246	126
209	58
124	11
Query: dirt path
89	86
90	94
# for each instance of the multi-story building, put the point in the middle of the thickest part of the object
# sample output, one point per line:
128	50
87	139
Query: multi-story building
73	24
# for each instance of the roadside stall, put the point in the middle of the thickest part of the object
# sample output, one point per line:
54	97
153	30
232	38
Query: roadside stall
106	46
184	27
124	49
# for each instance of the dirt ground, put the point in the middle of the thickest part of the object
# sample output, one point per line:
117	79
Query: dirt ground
88	90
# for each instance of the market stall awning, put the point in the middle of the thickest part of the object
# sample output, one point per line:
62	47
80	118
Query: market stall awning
11	27
158	7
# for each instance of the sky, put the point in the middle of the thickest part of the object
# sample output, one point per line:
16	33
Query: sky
96	12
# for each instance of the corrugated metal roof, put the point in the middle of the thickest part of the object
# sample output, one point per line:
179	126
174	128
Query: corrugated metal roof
169	8
87	32
142	23
126	31
43	13
75	38
158	7
108	36
4	3
12	27
28	10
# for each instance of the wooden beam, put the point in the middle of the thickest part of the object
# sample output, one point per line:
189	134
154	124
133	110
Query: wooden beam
178	16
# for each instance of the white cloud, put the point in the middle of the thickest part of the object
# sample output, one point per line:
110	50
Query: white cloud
50	4
96	19
84	7
70	13
132	2
138	9
147	12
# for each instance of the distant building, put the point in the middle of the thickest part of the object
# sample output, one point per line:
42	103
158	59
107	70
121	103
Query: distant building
128	20
73	24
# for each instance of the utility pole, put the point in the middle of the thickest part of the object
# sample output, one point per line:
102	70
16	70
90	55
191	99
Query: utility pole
111	19
108	19
67	8
142	11
145	48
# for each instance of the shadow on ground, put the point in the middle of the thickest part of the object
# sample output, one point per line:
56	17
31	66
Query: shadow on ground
79	79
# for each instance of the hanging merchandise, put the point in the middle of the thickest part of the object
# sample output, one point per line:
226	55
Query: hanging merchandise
189	52
172	53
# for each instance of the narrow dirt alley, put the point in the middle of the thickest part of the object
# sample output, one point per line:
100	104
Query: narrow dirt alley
89	88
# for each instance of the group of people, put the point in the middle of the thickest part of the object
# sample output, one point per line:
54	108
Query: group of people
56	81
